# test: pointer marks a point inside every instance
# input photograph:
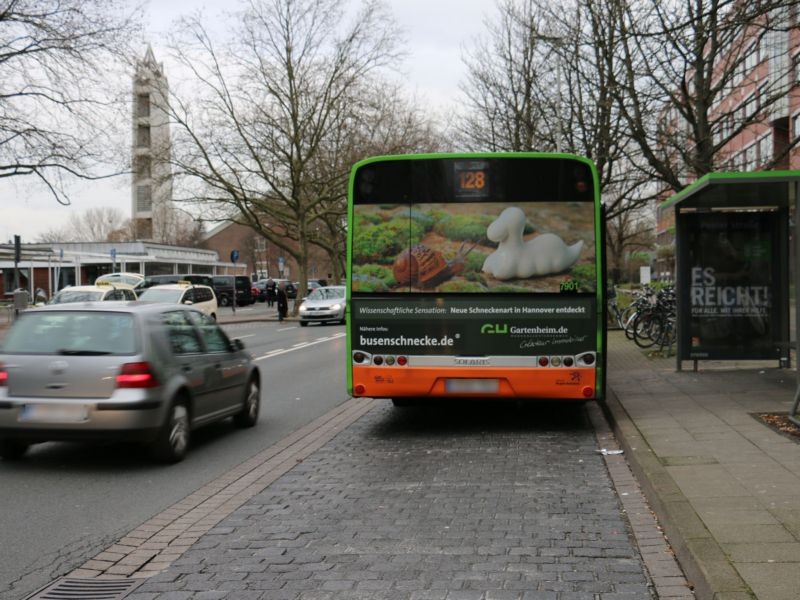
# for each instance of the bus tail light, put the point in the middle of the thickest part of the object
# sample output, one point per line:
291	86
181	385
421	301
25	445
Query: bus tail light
359	389
568	361
588	392
555	361
586	359
361	357
543	361
402	361
3	375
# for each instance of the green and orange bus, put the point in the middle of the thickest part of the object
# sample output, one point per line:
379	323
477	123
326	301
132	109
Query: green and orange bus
475	275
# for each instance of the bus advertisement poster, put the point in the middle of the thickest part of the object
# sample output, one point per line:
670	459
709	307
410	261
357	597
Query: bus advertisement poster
478	326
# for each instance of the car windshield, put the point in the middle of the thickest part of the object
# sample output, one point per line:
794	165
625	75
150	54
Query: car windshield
89	333
65	296
326	293
161	295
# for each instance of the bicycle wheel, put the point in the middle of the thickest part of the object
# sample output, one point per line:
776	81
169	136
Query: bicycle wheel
629	318
647	328
668	334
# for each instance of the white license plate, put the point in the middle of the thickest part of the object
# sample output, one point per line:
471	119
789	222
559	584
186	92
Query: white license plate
54	413
472	386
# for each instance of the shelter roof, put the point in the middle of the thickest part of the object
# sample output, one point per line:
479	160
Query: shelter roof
736	190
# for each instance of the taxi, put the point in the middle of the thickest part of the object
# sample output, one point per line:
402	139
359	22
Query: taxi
102	290
200	297
135	280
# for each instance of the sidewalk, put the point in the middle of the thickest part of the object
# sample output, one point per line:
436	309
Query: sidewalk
725	487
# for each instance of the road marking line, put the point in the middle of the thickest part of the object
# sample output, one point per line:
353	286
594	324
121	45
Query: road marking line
297	347
286	328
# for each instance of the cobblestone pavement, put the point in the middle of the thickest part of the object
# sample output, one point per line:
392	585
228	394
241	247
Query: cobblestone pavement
460	502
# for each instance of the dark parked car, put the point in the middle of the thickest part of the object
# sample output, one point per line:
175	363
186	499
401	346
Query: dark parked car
224	289
291	289
260	290
121	370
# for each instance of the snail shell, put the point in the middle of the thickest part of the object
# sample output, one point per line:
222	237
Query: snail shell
420	266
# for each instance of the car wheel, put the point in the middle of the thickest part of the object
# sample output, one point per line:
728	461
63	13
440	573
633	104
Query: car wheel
223	301
303	323
248	416
173	439
13	449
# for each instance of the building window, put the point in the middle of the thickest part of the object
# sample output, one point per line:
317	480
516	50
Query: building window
750	106
144	199
750	158
143	167
143	105
765	149
796	126
750	58
796	68
143	136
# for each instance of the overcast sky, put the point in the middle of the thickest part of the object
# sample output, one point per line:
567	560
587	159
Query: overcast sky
436	32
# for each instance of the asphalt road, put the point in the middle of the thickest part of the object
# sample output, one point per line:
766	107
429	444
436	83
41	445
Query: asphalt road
64	503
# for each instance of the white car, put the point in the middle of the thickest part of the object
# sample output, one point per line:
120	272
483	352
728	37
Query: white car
92	293
323	305
200	297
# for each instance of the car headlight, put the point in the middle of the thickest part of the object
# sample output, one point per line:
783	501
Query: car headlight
336	307
303	308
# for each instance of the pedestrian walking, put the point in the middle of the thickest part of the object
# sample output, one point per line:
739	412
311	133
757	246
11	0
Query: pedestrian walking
283	302
270	291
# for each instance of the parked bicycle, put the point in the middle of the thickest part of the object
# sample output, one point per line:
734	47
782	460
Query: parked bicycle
654	323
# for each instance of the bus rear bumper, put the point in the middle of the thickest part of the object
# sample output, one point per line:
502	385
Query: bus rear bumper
577	383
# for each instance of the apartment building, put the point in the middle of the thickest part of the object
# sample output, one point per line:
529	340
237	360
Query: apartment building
755	116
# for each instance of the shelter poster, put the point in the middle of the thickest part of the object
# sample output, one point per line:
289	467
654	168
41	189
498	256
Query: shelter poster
730	273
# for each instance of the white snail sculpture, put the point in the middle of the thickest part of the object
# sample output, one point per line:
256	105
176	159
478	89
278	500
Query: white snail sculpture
517	259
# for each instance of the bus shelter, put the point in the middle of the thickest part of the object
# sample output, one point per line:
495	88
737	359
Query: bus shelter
736	254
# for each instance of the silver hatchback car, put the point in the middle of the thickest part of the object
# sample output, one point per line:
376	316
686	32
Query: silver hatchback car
121	371
324	304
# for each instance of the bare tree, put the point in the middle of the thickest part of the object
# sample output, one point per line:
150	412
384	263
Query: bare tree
92	225
57	62
108	224
682	59
626	232
267	101
379	121
545	81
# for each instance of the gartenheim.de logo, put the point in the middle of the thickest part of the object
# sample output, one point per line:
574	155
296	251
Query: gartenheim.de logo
495	328
505	329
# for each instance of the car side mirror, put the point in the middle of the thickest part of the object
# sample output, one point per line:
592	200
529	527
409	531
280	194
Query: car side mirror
238	344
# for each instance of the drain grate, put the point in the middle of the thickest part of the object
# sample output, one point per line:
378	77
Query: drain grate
86	589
